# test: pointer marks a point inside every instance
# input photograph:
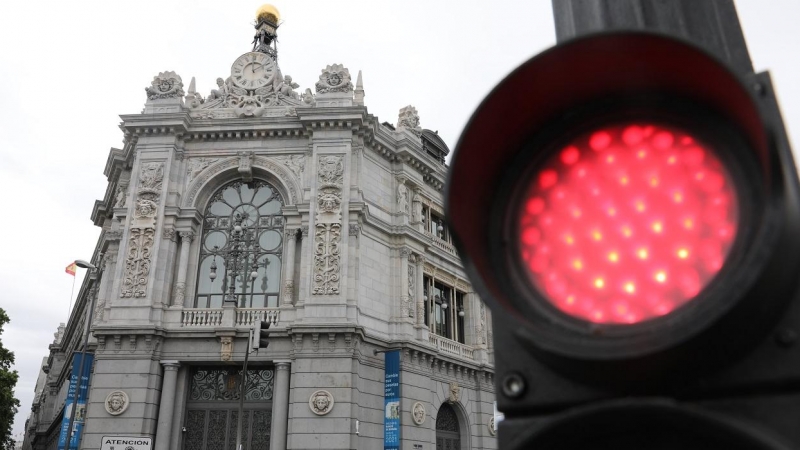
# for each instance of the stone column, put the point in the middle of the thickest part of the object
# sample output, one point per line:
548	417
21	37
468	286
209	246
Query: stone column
420	291
166	410
280	405
183	265
288	264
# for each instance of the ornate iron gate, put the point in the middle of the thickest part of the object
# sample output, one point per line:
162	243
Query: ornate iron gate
447	433
212	409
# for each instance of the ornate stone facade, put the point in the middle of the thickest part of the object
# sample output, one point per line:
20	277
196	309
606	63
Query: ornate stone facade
339	268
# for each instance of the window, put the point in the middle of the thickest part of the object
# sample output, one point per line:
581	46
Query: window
257	206
444	310
434	224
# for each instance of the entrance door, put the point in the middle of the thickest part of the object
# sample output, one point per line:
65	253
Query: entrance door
212	409
447	431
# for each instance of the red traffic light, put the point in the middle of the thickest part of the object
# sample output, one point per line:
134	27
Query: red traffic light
628	209
620	199
627	222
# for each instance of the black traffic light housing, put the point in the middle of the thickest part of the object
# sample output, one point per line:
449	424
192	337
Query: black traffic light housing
260	335
721	365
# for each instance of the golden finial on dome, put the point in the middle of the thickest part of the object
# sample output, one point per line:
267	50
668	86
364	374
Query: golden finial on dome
268	13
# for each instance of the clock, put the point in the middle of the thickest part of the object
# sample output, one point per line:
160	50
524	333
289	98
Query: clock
253	70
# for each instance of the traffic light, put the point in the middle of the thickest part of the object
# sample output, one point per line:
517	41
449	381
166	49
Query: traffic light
260	335
628	207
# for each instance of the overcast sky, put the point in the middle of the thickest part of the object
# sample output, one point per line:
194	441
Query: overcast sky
69	69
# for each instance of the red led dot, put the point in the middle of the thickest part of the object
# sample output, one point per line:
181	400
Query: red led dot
548	179
535	206
570	155
627	223
600	140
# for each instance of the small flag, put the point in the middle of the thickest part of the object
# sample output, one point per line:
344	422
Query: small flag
71	269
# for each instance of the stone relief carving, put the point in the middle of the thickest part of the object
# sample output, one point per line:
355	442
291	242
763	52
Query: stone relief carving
416	206
295	163
165	85
354	229
137	262
328	228
283	174
327	258
411	286
169	233
492	426
321	402
197	165
246	166
308	98
334	78
142	231
122	193
482	325
418	413
331	170
408	118
402	196
229	100
286	88
117	402
99	306
454	392
226	348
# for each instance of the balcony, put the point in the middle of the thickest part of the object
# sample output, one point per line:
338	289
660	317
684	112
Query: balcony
215	317
451	347
442	244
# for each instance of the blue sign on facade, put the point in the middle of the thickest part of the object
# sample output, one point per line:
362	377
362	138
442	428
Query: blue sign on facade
80	411
391	402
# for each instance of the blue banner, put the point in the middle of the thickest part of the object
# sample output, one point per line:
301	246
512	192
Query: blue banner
391	402
80	410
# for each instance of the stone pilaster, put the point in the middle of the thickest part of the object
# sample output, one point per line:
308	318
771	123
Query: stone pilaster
288	264
183	264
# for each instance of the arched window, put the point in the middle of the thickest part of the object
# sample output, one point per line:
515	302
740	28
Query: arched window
256	206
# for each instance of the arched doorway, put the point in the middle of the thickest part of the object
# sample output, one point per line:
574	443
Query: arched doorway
448	436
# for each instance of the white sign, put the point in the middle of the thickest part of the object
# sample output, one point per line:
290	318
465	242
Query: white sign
126	443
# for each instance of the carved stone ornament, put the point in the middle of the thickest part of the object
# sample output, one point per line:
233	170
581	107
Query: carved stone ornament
418	413
197	165
334	78
328	227
226	348
320	402
246	166
454	392
295	163
117	402
165	85
408	118
122	193
402	196
492	426
142	231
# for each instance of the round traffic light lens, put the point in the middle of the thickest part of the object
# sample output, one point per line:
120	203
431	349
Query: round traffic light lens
627	222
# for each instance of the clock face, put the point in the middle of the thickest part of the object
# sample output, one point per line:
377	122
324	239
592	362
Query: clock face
253	70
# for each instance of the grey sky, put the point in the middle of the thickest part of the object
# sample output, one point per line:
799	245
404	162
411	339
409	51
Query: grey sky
68	69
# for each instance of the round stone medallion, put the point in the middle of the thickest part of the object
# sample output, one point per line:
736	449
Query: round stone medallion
418	413
117	402
321	402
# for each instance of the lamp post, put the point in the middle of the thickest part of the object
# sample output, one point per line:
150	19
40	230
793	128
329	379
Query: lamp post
70	431
239	254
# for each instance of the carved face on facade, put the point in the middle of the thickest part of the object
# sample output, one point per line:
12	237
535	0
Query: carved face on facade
419	413
116	403
328	202
321	402
288	80
220	82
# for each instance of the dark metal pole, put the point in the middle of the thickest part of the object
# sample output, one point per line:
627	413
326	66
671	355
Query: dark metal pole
80	373
711	24
242	392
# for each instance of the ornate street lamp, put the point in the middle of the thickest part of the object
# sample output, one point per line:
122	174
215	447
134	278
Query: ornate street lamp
240	255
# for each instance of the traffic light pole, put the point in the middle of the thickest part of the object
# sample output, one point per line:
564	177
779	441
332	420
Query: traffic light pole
242	392
712	25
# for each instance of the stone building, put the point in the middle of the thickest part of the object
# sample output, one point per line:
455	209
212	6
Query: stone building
264	203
